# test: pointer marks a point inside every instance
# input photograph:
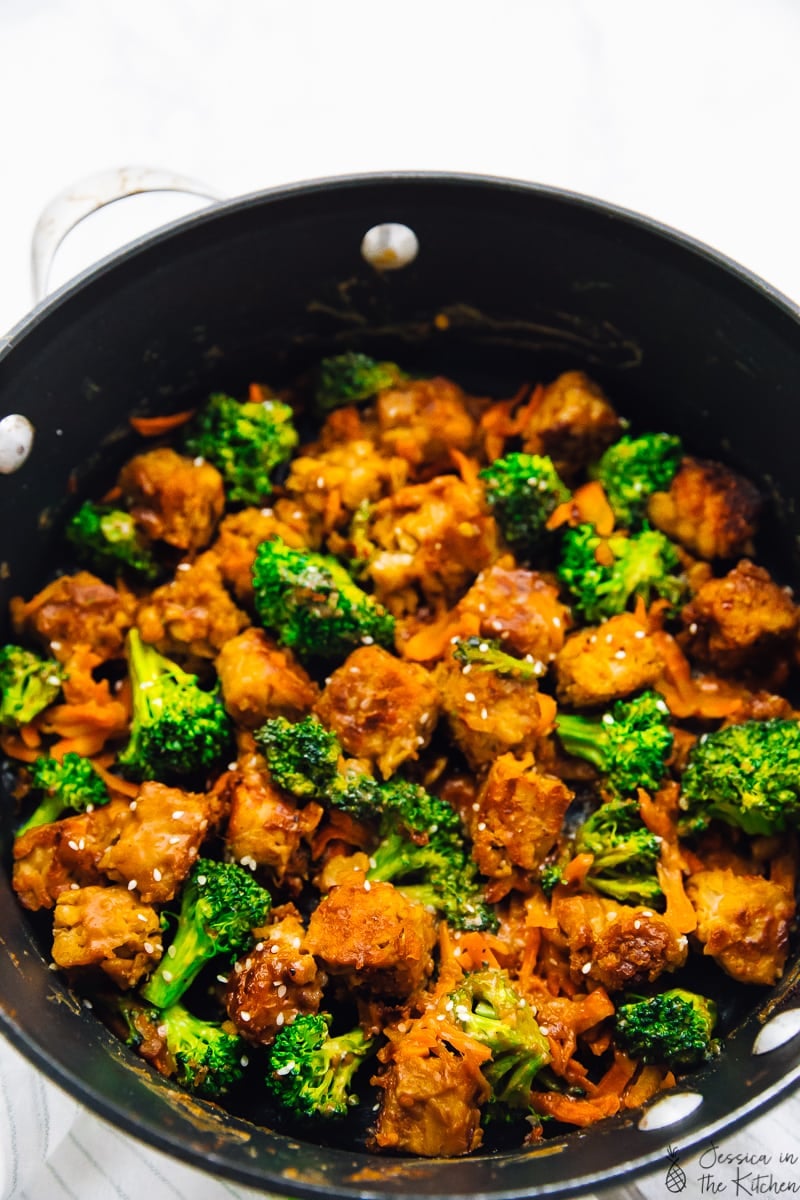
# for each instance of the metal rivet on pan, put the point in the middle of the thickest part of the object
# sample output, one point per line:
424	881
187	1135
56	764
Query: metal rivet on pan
777	1032
669	1109
389	247
16	440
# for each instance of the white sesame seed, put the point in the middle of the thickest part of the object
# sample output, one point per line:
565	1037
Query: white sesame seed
176	816
198	460
147	947
244	1016
274	948
202	880
87	1002
465	670
279	1019
72	844
620	654
244	1060
171	952
639	634
222	979
484	714
132	885
470	696
693	627
286	1069
637	924
173	839
586	968
55	645
367	885
167	976
481	826
282	990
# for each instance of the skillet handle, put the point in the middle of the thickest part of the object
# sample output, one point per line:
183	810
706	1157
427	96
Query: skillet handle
86	196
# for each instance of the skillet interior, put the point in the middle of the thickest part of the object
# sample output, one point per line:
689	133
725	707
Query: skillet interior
532	282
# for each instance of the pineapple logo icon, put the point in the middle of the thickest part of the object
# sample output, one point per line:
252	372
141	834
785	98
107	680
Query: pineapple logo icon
676	1176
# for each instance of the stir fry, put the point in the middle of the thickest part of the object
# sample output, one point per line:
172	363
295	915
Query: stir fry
439	766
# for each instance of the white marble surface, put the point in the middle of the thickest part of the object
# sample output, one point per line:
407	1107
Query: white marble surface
687	112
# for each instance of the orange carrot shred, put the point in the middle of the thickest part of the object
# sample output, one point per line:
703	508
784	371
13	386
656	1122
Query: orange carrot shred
157	426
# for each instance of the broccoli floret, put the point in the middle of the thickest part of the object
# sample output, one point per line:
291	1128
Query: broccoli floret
107	539
625	853
422	851
605	574
28	684
245	441
352	378
490	1009
205	1057
490	655
633	468
209	1058
69	785
313	606
302	756
522	491
673	1027
746	775
305	759
311	1073
550	876
629	744
178	728
221	903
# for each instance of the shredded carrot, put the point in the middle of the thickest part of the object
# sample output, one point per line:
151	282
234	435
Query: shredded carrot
468	468
649	1081
157	426
14	747
687	696
431	641
577	869
113	782
498	424
618	1075
679	912
573	1110
588	505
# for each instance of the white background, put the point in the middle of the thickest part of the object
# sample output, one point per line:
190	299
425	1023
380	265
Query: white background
685	111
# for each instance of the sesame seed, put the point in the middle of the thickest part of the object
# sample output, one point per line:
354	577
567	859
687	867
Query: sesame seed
367	885
484	646
176	816
171	952
639	634
231	766
620	654
470	696
132	885
557	622
133	804
476	807
55	645
286	1069
481	826
244	1060
222	979
274	948
693	627
141	917
609	638
184	566
174	838
198	461
279	1019
484	714
586	968
367	640
282	990
87	1002
647	912
147	947
465	670
167	976
72	844
259	946
244	1016
637	924
202	880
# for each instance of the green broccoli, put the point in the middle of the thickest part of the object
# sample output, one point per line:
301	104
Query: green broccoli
28	684
107	539
245	441
313	606
746	775
422	851
221	903
489	1008
625	853
551	874
673	1027
306	759
69	785
629	745
633	468
302	756
490	655
178	728
351	378
311	1072
523	490
205	1057
604	575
